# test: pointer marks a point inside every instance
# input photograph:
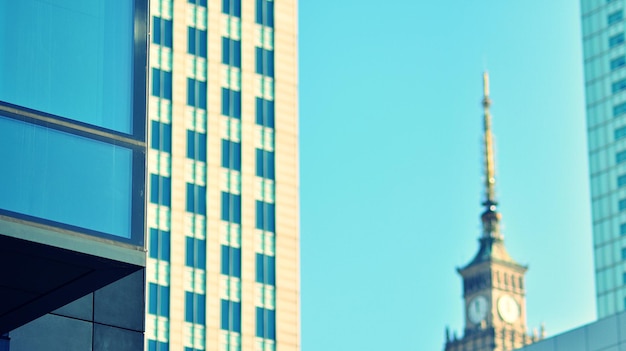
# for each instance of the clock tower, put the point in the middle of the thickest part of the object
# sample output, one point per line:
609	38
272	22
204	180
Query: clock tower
493	283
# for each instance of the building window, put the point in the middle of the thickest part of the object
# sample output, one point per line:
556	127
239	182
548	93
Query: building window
231	52
231	103
162	84
231	155
162	31
196	146
265	164
196	93
265	12
265	269
232	7
615	17
195	253
195	308
154	345
265	219
198	2
231	316
161	136
196	41
620	133
619	86
620	157
159	244
231	261
619	109
624	254
618	62
265	112
616	40
231	208
265	62
158	300
622	229
160	190
196	199
265	323
621	205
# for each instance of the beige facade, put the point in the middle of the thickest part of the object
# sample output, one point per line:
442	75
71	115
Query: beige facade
240	234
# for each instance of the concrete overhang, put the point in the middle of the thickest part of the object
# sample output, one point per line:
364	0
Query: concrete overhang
43	267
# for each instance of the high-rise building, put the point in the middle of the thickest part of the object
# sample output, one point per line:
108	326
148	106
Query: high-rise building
223	217
493	283
604	50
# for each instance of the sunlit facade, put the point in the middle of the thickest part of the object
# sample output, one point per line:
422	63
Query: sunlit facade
223	217
604	50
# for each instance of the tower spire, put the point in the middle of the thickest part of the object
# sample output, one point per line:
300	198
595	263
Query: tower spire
490	217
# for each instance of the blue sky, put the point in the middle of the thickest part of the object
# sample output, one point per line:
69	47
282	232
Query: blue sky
391	178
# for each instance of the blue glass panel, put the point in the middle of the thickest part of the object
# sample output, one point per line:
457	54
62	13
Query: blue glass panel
231	316
231	52
616	40
198	3
163	346
623	254
622	229
152	298
265	269
164	301
618	62
196	145
620	133
161	136
197	42
162	31
232	7
87	46
162	83
231	261
189	252
231	103
65	178
620	157
265	62
619	109
159	244
619	86
265	12
152	345
615	17
265	164
201	253
231	207
265	323
265	213
265	112
621	205
231	155
200	308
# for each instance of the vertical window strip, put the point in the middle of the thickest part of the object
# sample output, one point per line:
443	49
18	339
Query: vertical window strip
162	31
231	261
230	316
195	253
231	207
265	323
158	300
231	103
161	138
265	13
159	244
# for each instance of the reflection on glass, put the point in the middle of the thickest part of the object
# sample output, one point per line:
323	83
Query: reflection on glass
65	178
71	58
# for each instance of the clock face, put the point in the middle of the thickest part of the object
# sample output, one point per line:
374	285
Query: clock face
508	309
477	309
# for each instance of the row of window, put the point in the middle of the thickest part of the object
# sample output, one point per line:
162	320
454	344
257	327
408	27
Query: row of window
231	319
197	97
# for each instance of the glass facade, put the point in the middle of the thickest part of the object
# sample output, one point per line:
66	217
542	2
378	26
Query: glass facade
72	115
605	83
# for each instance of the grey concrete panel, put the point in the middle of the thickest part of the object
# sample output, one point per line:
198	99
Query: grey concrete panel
122	303
602	333
81	308
107	338
53	333
572	340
